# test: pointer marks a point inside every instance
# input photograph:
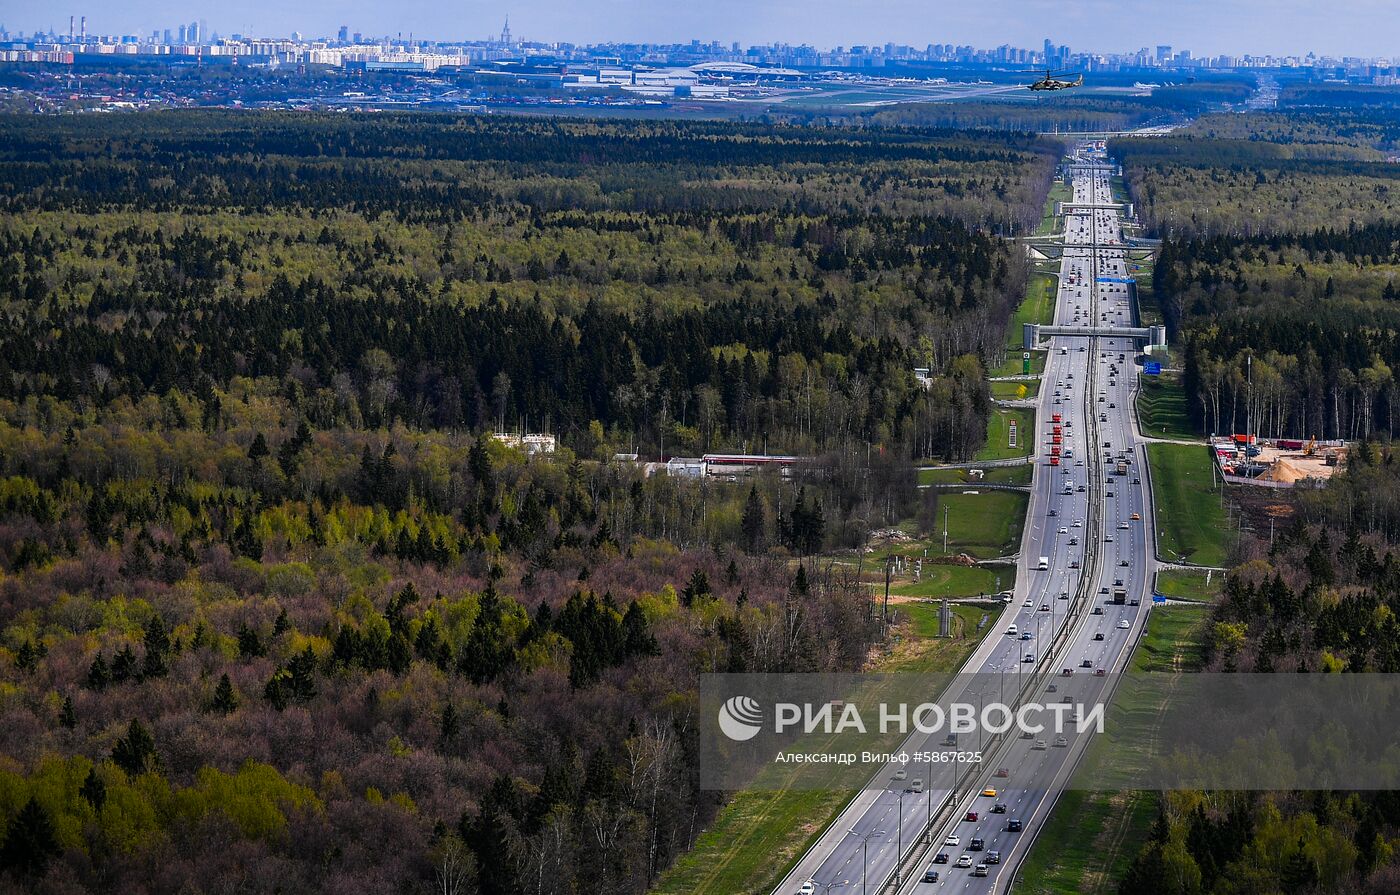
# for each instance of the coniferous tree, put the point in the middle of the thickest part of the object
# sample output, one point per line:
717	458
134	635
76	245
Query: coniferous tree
98	676
67	717
157	643
124	665
225	699
30	842
94	789
135	753
752	524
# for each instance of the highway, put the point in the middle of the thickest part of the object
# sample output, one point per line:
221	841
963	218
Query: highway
1092	523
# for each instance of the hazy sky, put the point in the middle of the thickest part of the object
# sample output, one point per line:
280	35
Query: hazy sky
1206	27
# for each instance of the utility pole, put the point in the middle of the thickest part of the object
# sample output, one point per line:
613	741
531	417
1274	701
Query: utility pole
885	612
945	529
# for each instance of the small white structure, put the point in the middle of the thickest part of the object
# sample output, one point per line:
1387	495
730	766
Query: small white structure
533	443
687	467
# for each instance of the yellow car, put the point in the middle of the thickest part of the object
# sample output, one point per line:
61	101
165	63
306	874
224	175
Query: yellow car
989	792
1136	517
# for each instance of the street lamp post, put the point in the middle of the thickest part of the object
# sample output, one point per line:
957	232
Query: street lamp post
899	839
864	852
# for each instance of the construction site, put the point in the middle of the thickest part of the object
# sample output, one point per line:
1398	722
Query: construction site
1277	463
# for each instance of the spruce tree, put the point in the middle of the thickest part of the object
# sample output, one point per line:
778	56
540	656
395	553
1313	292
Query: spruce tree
29	841
225	700
135	753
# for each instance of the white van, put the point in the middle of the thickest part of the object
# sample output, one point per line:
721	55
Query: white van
1044	563
1011	630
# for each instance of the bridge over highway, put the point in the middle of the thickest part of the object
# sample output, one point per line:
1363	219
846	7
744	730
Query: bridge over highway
1154	336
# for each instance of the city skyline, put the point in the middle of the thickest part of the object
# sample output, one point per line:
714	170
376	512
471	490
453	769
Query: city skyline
1362	28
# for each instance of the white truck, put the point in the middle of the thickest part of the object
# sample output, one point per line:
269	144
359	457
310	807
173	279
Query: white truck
1044	563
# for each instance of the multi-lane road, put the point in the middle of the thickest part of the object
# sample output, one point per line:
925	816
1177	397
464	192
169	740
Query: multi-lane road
1090	517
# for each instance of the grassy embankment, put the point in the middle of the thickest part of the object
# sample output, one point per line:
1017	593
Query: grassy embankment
1191	526
1091	836
762	833
1190	584
1161	408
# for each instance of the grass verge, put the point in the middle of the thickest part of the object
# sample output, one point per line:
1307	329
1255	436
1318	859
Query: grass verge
1092	836
1187	584
1004	475
998	433
760	834
1161	408
1191	526
1015	391
986	524
1037	307
1013	366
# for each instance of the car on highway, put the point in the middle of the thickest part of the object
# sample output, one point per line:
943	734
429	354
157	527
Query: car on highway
1029	658
976	844
1100	672
970	817
900	774
1098	610
999	808
1002	772
1044	607
1061	742
1039	746
979	870
989	792
1025	635
1086	664
1098	635
1136	517
992	857
941	858
808	888
1063	531
964	861
930	875
1052	689
952	842
1013	826
1123	623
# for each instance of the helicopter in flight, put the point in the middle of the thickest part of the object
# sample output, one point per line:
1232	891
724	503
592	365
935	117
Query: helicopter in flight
1049	82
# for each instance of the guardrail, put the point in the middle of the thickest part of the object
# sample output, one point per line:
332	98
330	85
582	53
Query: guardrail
1041	670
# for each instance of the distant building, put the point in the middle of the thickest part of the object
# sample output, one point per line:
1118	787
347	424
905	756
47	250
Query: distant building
686	467
532	444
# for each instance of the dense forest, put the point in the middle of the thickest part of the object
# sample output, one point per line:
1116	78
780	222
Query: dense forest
1281	248
1322	595
278	612
1315	311
1266	172
1278	264
684	286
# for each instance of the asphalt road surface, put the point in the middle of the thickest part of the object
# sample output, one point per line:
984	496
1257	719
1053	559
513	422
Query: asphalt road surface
1081	518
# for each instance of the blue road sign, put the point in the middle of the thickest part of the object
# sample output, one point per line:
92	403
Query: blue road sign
1158	598
1115	280
1152	368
